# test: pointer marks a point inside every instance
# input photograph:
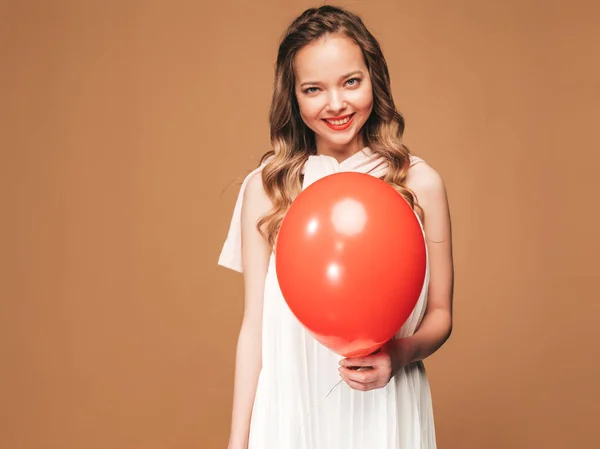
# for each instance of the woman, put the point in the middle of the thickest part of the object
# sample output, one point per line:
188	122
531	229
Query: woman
332	110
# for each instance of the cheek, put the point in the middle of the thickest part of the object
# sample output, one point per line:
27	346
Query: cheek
309	108
364	99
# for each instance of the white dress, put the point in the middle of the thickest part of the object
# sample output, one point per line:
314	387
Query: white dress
300	402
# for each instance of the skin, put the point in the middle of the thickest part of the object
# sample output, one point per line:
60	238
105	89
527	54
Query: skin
324	90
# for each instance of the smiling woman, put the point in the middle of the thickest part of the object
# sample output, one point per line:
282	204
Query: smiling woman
332	110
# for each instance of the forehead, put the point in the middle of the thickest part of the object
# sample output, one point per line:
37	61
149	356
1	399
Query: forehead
328	58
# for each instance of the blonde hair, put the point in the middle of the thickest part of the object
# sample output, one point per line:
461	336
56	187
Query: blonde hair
293	142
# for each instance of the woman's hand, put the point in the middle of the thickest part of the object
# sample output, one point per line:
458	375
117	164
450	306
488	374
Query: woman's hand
375	370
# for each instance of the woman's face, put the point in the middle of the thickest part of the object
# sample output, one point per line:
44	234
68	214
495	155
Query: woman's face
334	93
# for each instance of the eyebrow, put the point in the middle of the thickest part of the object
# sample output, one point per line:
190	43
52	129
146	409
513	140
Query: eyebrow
356	72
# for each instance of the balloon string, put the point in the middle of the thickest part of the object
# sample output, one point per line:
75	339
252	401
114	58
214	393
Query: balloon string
316	408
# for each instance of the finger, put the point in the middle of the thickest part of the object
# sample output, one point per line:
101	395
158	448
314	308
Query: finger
349	362
379	360
360	386
355	385
360	361
359	368
362	376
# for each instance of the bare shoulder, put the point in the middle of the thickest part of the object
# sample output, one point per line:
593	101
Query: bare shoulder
426	183
255	248
256	201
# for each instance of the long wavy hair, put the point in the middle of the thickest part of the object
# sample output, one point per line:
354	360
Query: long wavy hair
293	142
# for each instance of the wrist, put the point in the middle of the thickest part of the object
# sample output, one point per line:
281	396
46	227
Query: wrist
403	352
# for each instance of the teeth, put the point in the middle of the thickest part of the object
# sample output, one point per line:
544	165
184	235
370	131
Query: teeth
339	122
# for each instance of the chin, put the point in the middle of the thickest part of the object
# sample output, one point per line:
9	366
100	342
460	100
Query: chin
339	139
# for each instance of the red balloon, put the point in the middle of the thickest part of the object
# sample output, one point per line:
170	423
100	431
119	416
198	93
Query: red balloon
350	261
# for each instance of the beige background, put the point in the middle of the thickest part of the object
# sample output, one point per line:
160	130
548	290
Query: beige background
125	127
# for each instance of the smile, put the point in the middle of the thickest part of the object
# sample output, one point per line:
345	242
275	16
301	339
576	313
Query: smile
339	123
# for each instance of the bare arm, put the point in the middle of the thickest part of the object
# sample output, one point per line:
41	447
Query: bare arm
436	326
255	261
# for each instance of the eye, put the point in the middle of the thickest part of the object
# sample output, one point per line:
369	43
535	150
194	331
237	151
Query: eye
353	82
309	90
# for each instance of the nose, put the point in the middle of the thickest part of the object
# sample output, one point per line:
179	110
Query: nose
336	102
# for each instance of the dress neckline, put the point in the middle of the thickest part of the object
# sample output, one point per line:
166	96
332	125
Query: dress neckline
359	156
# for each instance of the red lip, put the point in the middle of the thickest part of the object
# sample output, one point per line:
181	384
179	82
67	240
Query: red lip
343	127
